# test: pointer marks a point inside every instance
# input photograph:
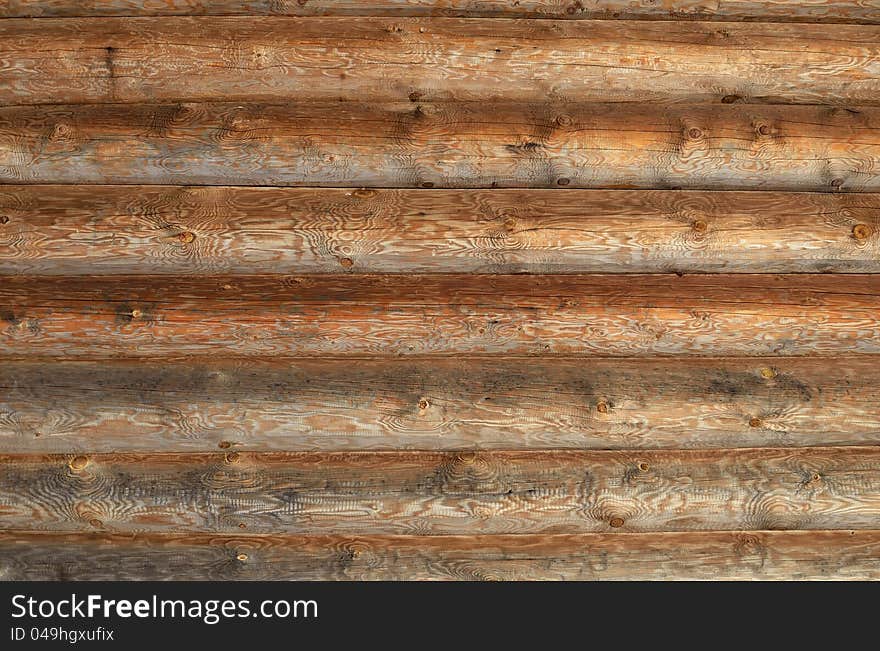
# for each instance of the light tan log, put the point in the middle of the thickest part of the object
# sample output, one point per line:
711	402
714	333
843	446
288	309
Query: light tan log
712	556
437	404
70	230
724	147
252	59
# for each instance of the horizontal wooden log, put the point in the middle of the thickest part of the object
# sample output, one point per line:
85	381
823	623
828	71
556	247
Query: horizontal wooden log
724	147
395	59
438	404
445	493
712	556
71	230
445	314
856	11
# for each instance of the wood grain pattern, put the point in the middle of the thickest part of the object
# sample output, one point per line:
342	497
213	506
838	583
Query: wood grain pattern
435	404
445	314
252	59
711	556
74	230
723	147
445	493
856	11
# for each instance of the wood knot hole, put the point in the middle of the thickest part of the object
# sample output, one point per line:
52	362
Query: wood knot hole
602	407
79	462
4	219
616	522
423	404
764	130
563	181
241	556
232	457
347	263
644	467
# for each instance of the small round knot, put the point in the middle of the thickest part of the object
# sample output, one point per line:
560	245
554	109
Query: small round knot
836	183
768	373
616	522
95	522
602	407
78	462
187	237
700	226
136	313
242	525
423	403
347	263
754	421
241	556
730	99
695	134
764	130
427	184
861	231
233	457
644	467
224	445
563	121
4	219
563	181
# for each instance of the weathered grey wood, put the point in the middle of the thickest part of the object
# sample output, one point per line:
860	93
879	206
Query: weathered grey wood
70	230
445	493
724	147
713	556
856	11
258	59
435	404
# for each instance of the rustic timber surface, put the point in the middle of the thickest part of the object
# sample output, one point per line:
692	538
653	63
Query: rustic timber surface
697	555
382	59
436	404
441	314
458	145
428	493
77	230
839	11
439	289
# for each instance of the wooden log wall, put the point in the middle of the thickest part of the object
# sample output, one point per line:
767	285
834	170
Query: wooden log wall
423	289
